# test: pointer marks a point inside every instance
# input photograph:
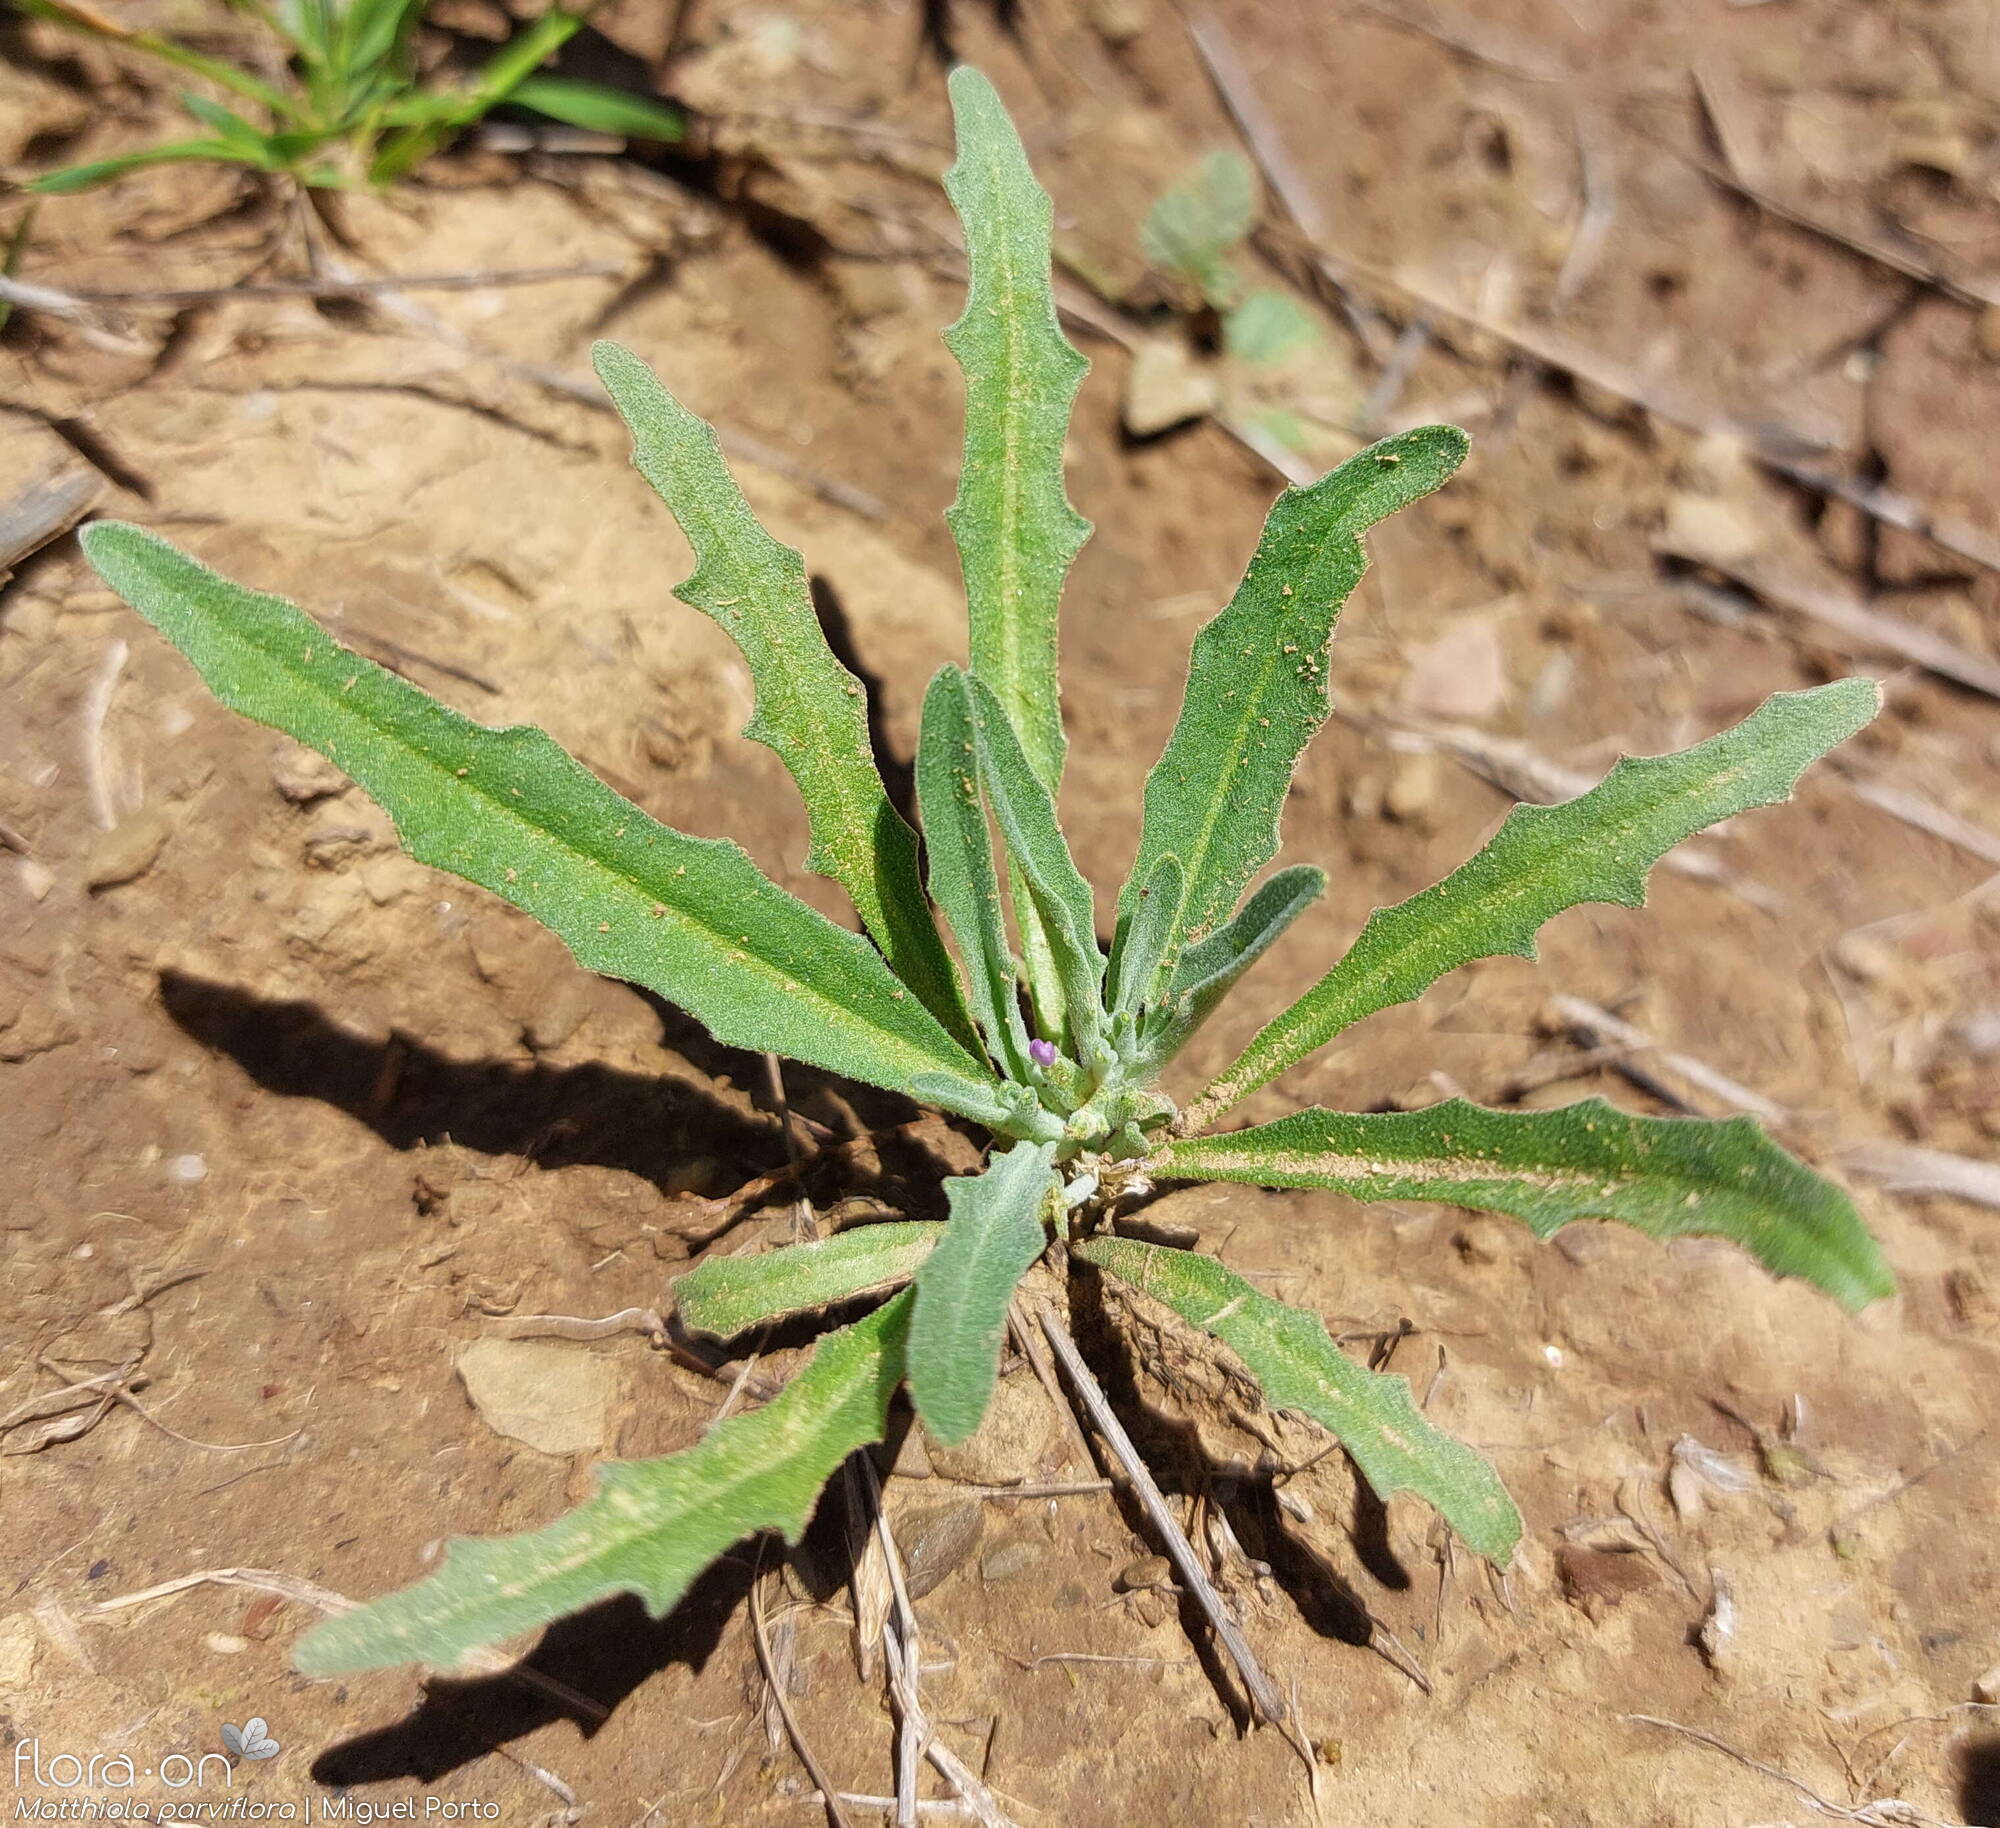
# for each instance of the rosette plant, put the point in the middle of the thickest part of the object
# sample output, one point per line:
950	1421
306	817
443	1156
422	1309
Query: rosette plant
979	984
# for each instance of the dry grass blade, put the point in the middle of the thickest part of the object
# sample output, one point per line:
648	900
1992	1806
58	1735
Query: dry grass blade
89	304
979	1801
1925	815
1902	1168
1263	1692
828	1795
1599	1027
1897	259
1885	1812
1863	629
44	511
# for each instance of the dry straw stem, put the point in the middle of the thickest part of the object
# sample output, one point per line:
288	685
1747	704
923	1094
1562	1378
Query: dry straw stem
1885	1812
1262	1690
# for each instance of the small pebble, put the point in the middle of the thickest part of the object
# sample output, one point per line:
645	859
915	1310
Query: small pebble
1008	1560
226	1643
1987	1689
188	1170
1147	1571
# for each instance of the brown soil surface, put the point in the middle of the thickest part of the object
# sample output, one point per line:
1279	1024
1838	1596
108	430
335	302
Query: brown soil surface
289	1120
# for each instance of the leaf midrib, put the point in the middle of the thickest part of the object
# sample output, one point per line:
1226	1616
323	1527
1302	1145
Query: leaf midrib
688	923
1212	818
1496	903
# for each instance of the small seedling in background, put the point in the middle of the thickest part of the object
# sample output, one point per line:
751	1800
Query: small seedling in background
351	110
1275	375
1026	1024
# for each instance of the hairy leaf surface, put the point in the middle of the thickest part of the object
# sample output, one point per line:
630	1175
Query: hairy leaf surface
1026	814
651	1527
1208	970
1597	847
1141	952
960	851
693	919
963	1287
1257	683
1670	1177
1299	1368
724	1295
1015	529
810	709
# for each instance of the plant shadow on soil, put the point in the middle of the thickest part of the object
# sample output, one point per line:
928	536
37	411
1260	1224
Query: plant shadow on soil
600	1656
1979	1781
410	1095
1325	1602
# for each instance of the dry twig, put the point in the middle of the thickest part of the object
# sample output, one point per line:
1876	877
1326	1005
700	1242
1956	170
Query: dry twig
828	1795
1885	1812
1263	1693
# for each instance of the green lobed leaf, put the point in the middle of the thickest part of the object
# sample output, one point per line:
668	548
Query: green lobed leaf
1011	518
1015	529
810	709
995	1232
1040	854
1598	847
652	1525
1257	683
724	1295
693	919
599	109
962	877
1208	970
1299	1368
1670	1177
1199	218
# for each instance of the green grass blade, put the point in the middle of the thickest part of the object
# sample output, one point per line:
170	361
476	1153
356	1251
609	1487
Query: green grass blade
598	109
217	70
370	32
1141	952
509	66
726	1294
1299	1368
963	880
1015	529
101	171
995	1232
652	1525
1598	847
10	255
1026	814
1257	682
1208	970
251	143
1671	1177
810	709
693	919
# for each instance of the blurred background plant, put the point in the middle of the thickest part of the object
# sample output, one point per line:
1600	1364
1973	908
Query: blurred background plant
349	108
1253	356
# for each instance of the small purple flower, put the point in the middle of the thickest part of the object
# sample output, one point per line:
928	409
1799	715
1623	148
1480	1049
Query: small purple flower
1043	1053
